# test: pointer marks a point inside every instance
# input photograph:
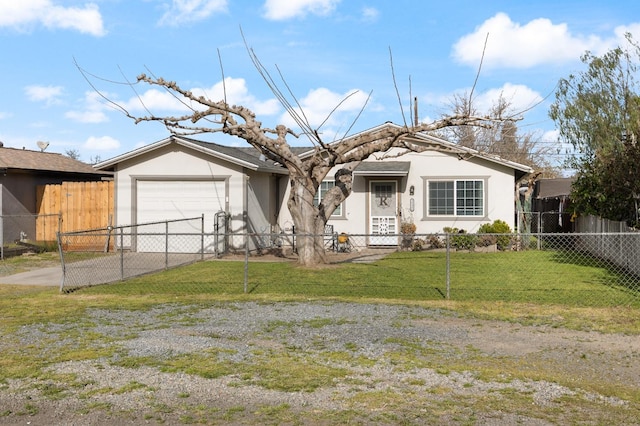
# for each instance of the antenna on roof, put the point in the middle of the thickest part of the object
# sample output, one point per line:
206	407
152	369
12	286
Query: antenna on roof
42	145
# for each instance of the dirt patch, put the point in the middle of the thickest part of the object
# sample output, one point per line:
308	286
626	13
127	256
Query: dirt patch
320	363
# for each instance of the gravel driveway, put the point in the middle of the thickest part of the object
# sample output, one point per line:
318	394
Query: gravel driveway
240	363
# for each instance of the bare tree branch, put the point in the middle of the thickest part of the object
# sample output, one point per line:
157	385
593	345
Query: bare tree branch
85	74
475	82
395	85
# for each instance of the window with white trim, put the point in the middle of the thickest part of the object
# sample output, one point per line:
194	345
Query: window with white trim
326	185
455	197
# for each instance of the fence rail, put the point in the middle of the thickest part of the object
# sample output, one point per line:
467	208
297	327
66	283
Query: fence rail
593	269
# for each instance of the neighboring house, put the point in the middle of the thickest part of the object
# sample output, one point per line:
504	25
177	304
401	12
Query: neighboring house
447	185
550	204
21	172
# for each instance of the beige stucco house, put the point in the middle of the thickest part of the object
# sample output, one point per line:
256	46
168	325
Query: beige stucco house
180	178
446	185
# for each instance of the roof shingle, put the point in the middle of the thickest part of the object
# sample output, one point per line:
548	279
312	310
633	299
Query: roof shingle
12	158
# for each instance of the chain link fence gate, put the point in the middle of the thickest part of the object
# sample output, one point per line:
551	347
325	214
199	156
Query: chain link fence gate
112	254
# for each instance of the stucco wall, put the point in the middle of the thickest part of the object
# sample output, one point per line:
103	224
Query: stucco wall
499	194
175	163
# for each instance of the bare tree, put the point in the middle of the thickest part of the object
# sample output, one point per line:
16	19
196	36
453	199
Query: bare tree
503	139
466	136
305	173
72	153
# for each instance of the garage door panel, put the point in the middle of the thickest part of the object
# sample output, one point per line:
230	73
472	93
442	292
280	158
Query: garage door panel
159	201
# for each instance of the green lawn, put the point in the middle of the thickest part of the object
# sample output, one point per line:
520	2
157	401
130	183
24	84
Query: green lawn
539	277
527	287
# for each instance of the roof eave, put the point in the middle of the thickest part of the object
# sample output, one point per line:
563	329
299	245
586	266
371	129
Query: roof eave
381	173
183	142
425	137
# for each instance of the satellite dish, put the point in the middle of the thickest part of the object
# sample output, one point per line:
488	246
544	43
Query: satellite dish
42	145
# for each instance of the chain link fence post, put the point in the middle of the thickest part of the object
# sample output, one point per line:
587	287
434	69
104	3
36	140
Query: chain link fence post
2	237
122	253
166	245
448	265
246	262
62	260
202	237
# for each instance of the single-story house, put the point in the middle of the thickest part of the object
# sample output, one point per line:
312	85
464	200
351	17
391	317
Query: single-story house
21	172
181	178
444	186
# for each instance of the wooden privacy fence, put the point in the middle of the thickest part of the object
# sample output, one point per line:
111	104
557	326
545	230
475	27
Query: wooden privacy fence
81	206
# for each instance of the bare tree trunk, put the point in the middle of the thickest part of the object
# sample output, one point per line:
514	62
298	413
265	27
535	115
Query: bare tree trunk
309	223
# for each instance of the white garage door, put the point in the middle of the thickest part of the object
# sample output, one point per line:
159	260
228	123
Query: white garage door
167	200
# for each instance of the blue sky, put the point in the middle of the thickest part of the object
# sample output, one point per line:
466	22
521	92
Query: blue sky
325	49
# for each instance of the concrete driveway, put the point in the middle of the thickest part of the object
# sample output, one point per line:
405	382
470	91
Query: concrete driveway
41	277
100	270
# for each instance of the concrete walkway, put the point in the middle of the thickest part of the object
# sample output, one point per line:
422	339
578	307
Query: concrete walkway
39	277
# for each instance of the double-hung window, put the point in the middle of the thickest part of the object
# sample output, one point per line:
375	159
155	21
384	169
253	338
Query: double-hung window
455	197
326	185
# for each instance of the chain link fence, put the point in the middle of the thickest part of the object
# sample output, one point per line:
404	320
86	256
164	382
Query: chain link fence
20	232
590	269
112	254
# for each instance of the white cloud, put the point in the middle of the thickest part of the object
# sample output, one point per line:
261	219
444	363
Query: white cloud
93	111
86	116
551	136
103	143
237	93
319	103
48	94
519	97
155	101
279	10
26	13
370	14
4	115
188	11
537	42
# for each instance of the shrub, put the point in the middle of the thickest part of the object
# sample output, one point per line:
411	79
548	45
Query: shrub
407	228
435	242
486	240
460	239
417	245
408	231
497	227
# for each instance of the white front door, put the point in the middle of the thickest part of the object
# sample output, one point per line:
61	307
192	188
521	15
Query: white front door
383	206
